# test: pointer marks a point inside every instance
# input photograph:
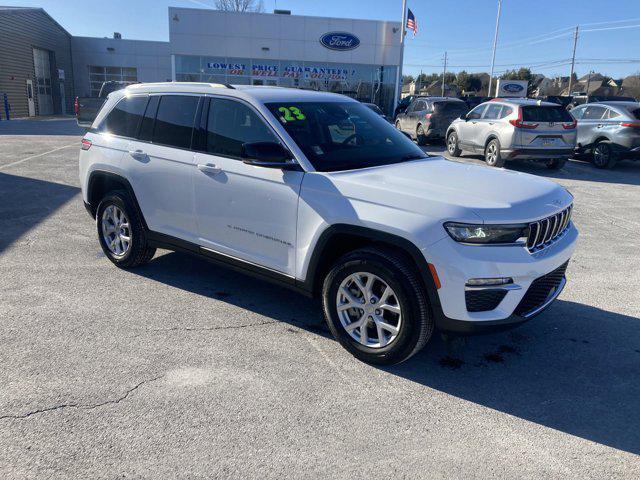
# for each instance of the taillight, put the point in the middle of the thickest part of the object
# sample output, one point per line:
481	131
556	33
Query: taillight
630	124
519	124
85	144
76	106
570	126
427	116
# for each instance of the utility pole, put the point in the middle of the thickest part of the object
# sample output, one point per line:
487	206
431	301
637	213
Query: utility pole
573	57
589	80
399	71
444	72
495	43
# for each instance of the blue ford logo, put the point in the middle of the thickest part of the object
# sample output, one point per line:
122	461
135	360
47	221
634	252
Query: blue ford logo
512	88
339	41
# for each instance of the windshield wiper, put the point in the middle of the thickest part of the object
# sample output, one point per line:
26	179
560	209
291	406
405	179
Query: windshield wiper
413	156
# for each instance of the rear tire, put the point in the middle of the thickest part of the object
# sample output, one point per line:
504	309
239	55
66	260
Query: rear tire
405	312
421	138
398	125
556	163
452	145
492	154
121	232
603	155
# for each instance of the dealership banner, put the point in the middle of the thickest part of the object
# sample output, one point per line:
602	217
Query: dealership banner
288	71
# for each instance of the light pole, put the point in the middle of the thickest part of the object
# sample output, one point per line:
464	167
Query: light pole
573	57
495	43
399	71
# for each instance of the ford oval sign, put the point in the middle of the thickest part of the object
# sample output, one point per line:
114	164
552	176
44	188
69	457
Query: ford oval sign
339	41
512	88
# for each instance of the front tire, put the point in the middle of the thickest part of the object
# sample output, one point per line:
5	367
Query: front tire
121	232
603	155
376	306
492	154
452	145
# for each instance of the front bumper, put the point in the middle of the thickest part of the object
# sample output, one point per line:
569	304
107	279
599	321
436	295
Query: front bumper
457	263
538	153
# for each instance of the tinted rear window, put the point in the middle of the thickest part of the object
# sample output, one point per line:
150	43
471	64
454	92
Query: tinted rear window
125	117
450	107
635	113
545	114
174	121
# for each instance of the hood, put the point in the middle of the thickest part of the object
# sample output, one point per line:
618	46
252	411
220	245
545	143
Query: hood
455	191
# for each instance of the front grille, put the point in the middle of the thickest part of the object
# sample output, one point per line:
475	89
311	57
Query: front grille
483	300
544	232
540	290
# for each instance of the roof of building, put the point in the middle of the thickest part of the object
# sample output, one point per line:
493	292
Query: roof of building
10	9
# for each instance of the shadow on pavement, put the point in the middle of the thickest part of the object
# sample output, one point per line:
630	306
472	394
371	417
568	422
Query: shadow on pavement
26	202
574	368
45	126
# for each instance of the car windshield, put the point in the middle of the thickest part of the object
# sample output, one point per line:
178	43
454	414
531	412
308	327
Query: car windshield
545	114
343	135
375	108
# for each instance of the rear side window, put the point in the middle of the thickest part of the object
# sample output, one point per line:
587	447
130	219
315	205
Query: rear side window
125	117
611	114
506	111
230	124
174	120
493	112
545	114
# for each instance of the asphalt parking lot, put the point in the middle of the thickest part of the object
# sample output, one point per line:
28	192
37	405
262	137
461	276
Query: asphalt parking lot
184	369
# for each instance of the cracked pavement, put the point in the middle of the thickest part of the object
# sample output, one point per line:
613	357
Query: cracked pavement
181	369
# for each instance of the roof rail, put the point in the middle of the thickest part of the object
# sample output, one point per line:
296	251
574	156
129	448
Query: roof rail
228	85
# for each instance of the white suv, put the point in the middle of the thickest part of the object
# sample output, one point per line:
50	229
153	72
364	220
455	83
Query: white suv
320	194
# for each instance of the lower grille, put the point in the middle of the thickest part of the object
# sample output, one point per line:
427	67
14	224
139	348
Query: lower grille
540	290
483	300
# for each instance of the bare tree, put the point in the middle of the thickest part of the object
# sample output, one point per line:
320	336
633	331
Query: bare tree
240	5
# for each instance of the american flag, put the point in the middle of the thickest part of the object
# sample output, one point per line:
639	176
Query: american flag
412	23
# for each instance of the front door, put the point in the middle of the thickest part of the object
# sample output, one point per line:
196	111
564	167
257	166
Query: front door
30	102
244	211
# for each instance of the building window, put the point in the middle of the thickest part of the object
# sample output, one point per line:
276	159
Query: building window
99	75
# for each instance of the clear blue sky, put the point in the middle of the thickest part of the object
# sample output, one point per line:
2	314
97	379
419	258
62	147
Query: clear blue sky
462	27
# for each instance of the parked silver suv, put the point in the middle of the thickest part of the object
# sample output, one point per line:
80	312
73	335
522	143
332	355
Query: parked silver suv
504	129
608	131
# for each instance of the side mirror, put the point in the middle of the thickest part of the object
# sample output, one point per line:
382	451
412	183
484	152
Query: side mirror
267	155
463	117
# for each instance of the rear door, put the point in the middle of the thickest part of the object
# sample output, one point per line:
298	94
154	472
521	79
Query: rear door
161	165
244	211
546	128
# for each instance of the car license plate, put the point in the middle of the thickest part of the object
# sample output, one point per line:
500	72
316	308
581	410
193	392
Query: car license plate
548	141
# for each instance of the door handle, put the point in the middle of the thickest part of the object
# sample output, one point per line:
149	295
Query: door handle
491	123
600	125
138	154
209	168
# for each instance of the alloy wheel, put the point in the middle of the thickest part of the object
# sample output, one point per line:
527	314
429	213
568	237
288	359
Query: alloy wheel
492	153
116	230
601	154
451	144
369	310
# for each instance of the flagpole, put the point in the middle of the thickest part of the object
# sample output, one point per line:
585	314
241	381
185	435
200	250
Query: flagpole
495	43
399	71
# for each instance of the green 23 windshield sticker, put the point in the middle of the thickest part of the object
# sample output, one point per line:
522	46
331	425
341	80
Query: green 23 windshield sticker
291	114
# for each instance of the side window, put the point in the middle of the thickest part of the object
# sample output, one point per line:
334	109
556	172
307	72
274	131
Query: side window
174	120
420	106
593	113
611	114
506	111
125	117
493	112
149	119
577	113
230	124
476	113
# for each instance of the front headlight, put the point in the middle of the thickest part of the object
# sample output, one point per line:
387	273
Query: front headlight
485	234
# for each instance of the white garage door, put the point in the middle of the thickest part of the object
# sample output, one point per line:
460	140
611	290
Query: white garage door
43	80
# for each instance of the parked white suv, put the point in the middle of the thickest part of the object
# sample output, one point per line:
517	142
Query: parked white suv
318	193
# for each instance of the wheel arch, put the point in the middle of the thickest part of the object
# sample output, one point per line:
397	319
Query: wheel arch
491	136
101	182
340	239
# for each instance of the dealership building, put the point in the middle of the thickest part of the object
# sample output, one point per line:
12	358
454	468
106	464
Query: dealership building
358	58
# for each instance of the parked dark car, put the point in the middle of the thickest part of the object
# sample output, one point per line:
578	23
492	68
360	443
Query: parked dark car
473	101
564	100
582	99
87	108
376	109
608	131
427	118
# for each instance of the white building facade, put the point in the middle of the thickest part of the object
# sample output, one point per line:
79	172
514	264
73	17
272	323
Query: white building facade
358	58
